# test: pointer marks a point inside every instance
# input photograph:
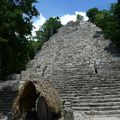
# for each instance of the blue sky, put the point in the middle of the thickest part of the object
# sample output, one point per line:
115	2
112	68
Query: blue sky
66	9
61	7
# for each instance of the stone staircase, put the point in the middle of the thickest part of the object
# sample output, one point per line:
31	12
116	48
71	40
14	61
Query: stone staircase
94	94
7	96
82	66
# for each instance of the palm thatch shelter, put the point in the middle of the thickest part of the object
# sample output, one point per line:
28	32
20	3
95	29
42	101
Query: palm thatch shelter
37	98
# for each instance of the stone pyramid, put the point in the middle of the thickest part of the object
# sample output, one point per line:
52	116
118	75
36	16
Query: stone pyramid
78	45
83	67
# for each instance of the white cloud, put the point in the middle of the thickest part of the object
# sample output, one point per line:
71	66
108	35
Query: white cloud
66	18
38	23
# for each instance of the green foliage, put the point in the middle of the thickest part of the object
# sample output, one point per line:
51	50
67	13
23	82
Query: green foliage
49	28
102	18
37	45
108	21
15	25
91	13
118	1
79	17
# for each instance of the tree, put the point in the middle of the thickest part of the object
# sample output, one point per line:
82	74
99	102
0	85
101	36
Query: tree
79	17
118	1
102	18
49	28
91	13
15	25
108	21
115	30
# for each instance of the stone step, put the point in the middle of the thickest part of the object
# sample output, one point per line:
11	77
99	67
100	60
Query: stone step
115	96
91	104
96	100
80	82
73	81
86	70
79	73
86	85
98	112
89	88
7	97
95	108
94	105
93	101
86	78
88	107
100	98
71	95
87	81
89	92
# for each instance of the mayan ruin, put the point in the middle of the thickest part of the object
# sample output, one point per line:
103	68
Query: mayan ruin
70	65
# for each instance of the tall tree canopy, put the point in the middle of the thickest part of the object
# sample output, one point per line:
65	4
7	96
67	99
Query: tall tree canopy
109	21
15	25
91	13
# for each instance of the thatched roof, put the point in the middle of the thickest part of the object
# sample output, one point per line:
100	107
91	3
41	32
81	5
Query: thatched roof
45	89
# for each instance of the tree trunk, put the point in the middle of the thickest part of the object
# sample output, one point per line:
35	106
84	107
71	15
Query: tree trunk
51	30
118	1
